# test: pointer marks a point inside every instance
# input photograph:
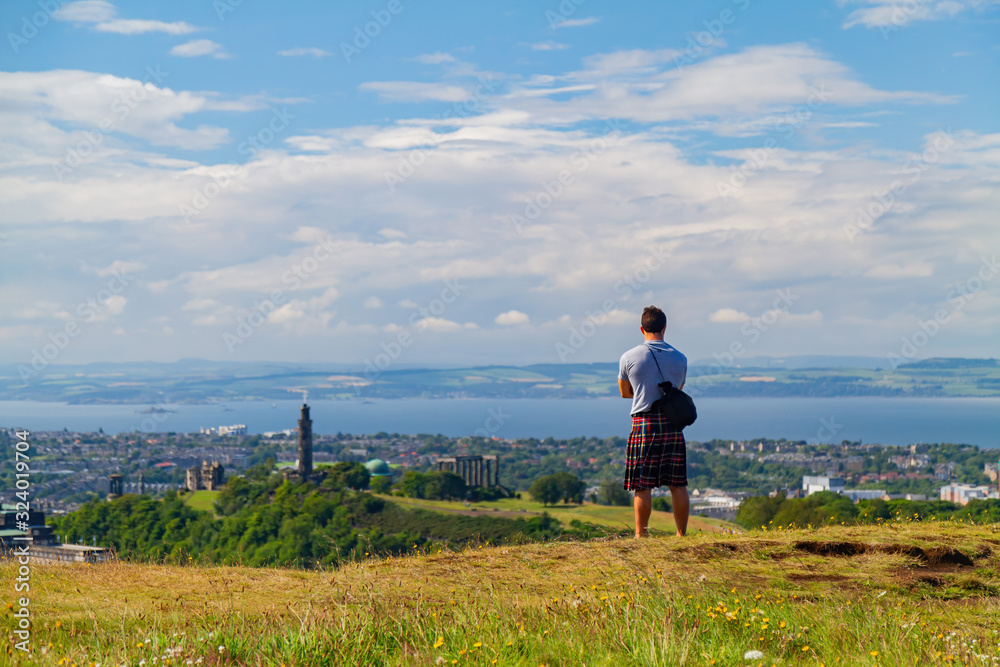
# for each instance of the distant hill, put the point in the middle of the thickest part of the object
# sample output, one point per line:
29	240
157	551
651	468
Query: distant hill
804	361
201	381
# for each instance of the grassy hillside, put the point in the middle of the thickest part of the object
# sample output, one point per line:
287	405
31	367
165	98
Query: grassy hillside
202	500
908	593
617	518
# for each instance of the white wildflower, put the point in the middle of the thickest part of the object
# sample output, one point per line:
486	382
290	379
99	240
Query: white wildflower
753	655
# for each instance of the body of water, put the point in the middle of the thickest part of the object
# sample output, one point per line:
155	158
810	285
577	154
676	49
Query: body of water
891	421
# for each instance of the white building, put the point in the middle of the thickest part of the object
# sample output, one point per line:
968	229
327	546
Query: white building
811	484
234	429
963	493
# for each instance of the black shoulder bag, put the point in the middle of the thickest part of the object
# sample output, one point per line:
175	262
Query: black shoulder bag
675	405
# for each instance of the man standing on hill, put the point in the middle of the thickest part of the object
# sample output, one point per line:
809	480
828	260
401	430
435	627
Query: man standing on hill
657	453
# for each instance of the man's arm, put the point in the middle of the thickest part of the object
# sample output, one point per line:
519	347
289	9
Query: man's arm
626	388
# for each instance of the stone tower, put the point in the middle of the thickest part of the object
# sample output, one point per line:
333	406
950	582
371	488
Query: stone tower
305	445
114	486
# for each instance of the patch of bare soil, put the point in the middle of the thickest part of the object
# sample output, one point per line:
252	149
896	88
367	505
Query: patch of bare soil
931	557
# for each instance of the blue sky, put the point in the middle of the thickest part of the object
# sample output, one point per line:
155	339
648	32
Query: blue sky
497	183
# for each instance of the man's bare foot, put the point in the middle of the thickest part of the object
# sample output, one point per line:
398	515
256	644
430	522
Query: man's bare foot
639	536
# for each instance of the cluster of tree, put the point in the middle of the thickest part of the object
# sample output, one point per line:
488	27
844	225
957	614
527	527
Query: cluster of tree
563	486
267	520
612	492
436	485
711	468
828	508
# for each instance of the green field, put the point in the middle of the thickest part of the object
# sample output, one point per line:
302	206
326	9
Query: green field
618	518
202	500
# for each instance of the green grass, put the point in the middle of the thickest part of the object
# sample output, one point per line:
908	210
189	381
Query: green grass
601	515
202	500
696	601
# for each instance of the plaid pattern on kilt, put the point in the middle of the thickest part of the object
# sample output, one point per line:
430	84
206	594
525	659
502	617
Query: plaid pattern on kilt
656	454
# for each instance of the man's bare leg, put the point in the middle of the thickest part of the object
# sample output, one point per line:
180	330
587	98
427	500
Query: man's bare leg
643	504
679	500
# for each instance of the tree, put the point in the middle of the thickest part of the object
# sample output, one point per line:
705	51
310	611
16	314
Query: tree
661	504
546	490
612	493
571	487
759	510
381	484
444	485
349	475
413	483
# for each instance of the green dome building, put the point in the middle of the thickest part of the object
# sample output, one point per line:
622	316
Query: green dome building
378	468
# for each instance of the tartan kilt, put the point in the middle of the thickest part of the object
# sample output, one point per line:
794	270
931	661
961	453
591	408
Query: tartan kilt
656	454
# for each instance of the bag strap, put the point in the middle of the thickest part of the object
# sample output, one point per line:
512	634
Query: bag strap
655	361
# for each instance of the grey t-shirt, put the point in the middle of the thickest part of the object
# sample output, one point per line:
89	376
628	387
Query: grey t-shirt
638	368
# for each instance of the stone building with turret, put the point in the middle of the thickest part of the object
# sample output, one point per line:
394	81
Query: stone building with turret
210	477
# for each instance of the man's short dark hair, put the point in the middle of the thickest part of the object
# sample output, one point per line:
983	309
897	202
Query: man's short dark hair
653	320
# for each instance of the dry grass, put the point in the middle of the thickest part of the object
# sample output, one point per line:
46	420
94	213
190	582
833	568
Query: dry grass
838	595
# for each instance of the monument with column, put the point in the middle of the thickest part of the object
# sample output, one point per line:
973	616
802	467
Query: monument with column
475	470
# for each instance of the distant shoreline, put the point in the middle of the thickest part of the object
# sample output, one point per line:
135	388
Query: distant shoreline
888	420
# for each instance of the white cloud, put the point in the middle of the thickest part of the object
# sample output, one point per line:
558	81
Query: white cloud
757	82
199	47
575	23
138	27
549	46
896	271
414	91
43	309
435	58
309	234
728	316
202	304
452	220
440	325
373	302
211	320
304	51
120	266
619	317
102	15
811	318
87	101
85	11
890	15
512	318
112	306
307	315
